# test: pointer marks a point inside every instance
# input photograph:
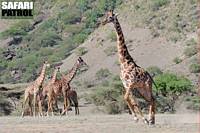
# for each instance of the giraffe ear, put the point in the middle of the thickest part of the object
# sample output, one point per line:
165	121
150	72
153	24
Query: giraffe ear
116	14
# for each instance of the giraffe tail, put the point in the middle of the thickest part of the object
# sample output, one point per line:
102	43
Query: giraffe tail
153	81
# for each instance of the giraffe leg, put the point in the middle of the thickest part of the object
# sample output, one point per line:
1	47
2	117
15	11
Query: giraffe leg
133	105
76	107
152	112
49	102
65	102
56	103
40	108
147	94
34	103
24	103
66	108
51	107
30	106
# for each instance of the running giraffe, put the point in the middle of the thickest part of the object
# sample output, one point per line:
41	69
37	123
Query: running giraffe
132	75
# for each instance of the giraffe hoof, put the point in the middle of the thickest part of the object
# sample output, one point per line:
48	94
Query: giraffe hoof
146	121
135	119
151	122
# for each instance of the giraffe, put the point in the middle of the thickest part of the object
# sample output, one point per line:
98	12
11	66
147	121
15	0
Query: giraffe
63	85
32	91
132	75
45	91
72	96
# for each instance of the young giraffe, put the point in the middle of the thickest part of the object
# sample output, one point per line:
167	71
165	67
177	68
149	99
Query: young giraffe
33	90
132	76
45	91
63	85
72	96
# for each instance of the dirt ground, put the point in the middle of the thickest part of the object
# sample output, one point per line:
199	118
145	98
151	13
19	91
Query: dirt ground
165	123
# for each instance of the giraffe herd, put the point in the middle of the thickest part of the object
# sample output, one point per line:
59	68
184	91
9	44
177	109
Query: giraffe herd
132	77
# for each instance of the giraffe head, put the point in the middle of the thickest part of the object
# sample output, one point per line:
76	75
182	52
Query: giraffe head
80	62
110	17
58	69
46	64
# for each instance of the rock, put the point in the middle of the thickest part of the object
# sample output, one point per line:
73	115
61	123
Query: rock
15	40
9	55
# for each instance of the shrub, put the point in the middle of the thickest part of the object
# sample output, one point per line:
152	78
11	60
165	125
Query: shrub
46	52
20	28
102	73
159	3
49	39
194	68
79	38
70	16
177	60
81	51
73	28
111	50
169	83
190	51
191	42
154	71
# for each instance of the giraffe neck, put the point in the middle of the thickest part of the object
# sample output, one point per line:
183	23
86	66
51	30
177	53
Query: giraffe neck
124	56
40	79
71	73
53	79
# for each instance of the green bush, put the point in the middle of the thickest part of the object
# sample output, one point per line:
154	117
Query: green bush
177	60
81	51
102	73
194	68
169	83
73	28
111	50
154	70
190	51
79	38
46	52
48	24
70	16
191	42
49	39
20	28
159	3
